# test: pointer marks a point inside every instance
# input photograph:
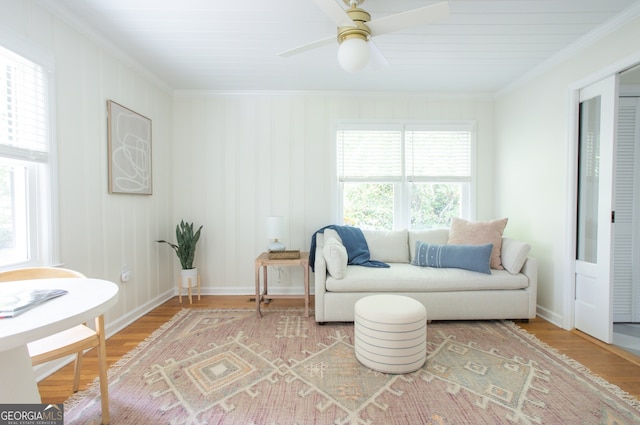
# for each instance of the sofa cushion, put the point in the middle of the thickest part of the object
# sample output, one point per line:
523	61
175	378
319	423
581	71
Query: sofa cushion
408	278
436	236
335	255
468	257
388	246
514	254
463	232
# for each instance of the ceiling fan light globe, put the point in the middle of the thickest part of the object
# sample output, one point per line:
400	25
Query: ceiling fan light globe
353	54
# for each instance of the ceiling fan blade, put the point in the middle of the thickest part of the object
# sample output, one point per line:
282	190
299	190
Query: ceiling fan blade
308	46
410	18
377	59
336	12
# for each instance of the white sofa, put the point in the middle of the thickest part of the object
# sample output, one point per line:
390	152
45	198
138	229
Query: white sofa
447	293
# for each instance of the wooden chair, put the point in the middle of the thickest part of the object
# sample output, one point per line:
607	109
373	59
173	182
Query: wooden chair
68	342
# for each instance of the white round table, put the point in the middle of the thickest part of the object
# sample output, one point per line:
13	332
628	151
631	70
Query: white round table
87	299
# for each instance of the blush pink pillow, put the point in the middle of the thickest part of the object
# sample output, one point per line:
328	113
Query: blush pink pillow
463	232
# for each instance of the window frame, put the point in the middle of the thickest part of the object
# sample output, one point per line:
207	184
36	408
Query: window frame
42	171
402	195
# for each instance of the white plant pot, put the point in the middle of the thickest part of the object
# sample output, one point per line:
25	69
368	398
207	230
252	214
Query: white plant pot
189	277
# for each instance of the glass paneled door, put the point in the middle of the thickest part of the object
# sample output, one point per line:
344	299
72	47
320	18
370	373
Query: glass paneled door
596	140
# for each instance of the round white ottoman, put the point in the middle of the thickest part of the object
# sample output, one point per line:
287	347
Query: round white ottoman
390	333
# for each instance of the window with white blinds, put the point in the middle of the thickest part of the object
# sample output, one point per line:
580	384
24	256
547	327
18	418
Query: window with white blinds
438	155
404	175
25	174
24	123
369	154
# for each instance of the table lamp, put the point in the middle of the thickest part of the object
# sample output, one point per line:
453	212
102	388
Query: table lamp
275	230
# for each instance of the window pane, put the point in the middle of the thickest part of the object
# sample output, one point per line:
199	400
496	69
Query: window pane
369	153
368	205
426	169
438	153
25	208
23	103
588	180
13	214
434	204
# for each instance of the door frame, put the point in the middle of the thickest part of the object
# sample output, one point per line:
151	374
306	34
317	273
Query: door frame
573	104
593	311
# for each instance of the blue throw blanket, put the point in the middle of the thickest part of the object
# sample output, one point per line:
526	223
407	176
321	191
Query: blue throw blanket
355	244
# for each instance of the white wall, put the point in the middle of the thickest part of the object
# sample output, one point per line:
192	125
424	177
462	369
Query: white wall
241	157
100	232
534	163
228	160
222	160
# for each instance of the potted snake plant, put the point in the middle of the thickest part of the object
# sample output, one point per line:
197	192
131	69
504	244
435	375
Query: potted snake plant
185	251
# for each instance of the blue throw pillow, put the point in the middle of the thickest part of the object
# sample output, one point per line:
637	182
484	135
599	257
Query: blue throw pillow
469	257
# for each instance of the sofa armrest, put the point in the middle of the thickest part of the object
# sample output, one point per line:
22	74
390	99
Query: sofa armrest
320	278
514	254
530	270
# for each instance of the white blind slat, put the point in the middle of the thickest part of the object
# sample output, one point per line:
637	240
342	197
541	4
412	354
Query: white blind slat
438	153
624	201
369	154
23	106
434	155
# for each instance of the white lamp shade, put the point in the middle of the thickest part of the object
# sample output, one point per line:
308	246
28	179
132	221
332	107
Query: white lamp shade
353	54
275	231
275	227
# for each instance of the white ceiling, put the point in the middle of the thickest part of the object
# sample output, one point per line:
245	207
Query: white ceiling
482	47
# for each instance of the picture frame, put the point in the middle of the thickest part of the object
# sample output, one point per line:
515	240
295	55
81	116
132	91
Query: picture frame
129	149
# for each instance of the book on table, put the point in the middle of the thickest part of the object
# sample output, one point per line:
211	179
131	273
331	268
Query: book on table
17	301
284	255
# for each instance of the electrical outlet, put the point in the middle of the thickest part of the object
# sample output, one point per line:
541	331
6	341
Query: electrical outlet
125	274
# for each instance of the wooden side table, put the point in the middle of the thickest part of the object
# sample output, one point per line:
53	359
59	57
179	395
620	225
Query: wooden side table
263	261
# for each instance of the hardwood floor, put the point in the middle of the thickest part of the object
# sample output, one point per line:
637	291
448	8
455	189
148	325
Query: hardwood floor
614	365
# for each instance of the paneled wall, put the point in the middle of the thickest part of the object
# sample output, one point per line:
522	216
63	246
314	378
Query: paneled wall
228	160
240	157
224	160
533	124
100	232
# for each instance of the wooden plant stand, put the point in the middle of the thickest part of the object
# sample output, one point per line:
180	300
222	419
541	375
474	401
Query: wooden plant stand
189	290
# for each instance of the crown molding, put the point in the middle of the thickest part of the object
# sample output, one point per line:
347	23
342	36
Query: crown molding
582	43
76	23
480	96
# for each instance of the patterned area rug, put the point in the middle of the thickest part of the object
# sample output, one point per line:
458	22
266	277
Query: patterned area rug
228	367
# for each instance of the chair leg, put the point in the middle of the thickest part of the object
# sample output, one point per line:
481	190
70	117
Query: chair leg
76	371
102	366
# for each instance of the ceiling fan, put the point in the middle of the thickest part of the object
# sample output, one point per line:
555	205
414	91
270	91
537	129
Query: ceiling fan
356	29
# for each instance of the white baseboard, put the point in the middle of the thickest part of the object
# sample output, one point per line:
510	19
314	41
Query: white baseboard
251	292
111	328
42	371
122	322
550	316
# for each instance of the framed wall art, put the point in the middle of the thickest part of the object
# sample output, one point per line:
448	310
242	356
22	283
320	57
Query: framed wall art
129	138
